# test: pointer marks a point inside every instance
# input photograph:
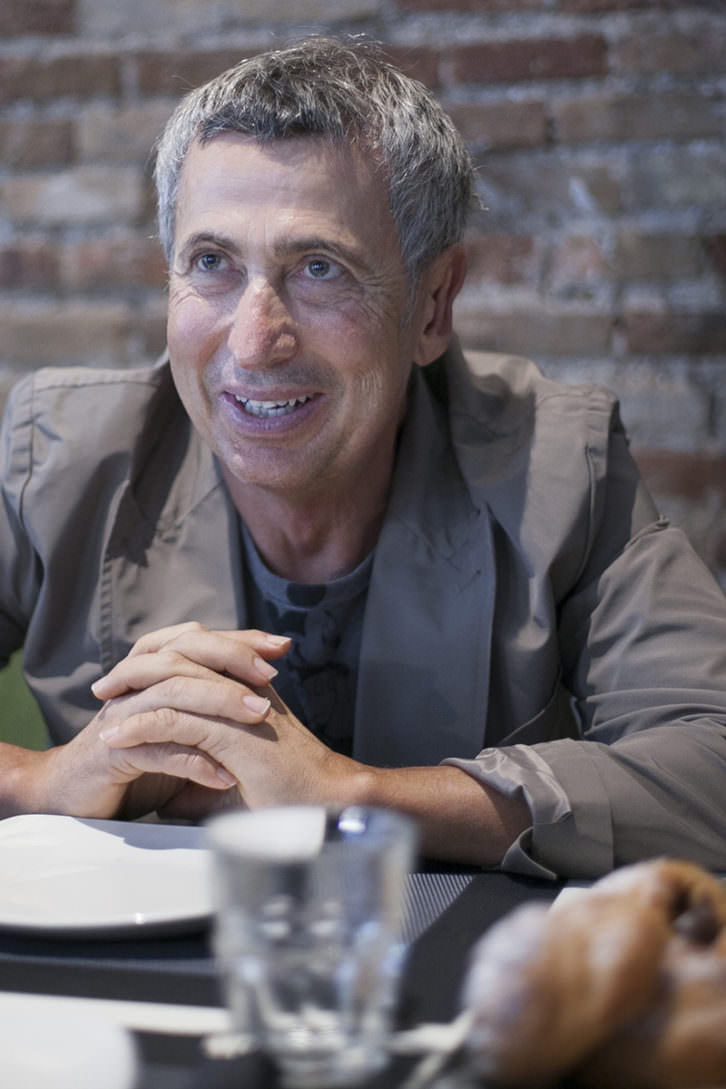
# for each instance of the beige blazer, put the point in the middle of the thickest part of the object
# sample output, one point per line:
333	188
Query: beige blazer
529	616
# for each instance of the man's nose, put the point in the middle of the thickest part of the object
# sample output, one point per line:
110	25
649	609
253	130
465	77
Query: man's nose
262	331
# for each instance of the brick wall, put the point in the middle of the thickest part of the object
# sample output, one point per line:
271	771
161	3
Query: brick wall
599	129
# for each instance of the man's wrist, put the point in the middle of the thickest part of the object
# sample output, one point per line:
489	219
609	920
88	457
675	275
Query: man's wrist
363	786
22	774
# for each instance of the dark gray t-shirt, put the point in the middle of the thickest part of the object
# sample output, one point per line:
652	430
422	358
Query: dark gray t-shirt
317	677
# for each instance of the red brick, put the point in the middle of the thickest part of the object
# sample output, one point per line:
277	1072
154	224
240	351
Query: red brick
117	262
150	326
690	488
660	257
578	266
44	78
28	266
69	332
618	119
532	328
676	176
477	6
36	17
654	52
716	249
28	144
602	6
502	258
113	133
672	332
418	62
189	20
526	59
147	210
692	475
501	124
546	186
176	71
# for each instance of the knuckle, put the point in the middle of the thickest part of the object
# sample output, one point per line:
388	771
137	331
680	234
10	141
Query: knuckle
141	644
118	707
168	757
164	719
157	640
194	763
172	659
188	763
182	633
171	692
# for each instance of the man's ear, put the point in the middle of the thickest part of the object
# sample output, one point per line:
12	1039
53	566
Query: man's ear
439	285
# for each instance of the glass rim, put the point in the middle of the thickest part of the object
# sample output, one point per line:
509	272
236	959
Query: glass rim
305	829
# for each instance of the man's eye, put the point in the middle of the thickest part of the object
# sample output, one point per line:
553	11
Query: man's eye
209	262
320	269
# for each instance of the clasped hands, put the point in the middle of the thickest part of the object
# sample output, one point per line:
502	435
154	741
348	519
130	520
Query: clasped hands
190	723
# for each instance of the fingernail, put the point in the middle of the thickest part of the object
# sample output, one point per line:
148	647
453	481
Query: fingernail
268	671
225	777
97	685
108	733
258	704
277	640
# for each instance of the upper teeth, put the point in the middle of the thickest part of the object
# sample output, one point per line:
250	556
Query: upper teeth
271	408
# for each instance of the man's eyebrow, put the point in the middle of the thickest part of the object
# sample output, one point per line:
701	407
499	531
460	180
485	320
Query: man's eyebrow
208	238
287	247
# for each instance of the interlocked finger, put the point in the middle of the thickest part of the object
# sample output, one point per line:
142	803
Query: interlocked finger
181	710
194	652
179	761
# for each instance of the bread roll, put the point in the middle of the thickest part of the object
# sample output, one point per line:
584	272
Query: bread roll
623	985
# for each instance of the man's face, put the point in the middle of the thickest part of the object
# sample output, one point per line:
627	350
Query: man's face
288	333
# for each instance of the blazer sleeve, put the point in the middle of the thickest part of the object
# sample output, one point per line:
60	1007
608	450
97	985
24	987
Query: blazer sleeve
19	562
642	637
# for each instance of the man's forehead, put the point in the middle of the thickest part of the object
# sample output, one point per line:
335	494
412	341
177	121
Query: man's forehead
305	186
350	157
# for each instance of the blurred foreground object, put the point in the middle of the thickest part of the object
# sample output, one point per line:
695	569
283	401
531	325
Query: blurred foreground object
623	984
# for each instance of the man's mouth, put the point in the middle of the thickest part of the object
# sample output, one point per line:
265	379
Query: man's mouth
269	409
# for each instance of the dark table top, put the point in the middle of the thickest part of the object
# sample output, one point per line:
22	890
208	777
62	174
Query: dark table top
181	969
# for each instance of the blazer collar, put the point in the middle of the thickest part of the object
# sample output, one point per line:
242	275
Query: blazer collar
424	669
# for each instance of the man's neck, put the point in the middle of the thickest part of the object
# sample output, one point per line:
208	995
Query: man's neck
316	538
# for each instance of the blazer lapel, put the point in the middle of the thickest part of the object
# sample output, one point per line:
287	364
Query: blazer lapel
159	543
424	669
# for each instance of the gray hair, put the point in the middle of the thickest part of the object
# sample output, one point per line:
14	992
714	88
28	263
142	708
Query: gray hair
343	92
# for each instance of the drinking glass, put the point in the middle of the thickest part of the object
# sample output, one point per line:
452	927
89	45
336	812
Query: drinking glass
307	934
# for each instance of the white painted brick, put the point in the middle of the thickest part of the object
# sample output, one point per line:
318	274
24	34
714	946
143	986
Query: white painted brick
86	194
659	404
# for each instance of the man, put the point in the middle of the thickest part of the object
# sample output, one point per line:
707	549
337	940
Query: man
318	556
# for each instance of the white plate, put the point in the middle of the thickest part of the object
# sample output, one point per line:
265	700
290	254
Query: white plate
65	876
81	1047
